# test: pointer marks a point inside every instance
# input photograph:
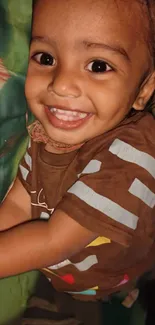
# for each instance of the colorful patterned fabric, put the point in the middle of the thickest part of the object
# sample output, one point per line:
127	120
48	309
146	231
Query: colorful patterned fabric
15	24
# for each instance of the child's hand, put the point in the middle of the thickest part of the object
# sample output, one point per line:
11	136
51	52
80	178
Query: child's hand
131	298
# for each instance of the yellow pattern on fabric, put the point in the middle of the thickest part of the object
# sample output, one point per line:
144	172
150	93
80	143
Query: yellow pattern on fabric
50	272
95	288
99	241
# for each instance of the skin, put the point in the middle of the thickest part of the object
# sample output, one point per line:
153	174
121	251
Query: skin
106	98
69	82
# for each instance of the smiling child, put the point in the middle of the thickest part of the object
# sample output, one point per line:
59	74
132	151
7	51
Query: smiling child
83	204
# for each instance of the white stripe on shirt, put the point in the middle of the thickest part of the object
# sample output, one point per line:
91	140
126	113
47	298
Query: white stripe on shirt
104	205
128	153
141	191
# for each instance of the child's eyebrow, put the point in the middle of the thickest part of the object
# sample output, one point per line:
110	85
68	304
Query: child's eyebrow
87	44
114	48
43	39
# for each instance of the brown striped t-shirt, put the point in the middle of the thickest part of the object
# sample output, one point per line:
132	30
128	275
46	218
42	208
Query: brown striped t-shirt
107	186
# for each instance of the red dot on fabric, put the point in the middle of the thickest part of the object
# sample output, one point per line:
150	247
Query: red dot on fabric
126	277
68	278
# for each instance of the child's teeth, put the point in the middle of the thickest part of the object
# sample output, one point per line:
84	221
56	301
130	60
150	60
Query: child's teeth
67	115
59	111
83	115
64	118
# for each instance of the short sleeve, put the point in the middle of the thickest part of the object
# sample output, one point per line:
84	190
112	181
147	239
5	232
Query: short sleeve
114	194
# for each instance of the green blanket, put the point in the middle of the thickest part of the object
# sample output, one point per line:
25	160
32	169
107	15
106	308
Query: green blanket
15	25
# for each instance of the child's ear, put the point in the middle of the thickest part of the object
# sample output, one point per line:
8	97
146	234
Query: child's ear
145	93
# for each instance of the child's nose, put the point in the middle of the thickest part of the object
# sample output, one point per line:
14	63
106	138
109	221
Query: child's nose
65	84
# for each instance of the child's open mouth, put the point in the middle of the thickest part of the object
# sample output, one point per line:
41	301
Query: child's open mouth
66	119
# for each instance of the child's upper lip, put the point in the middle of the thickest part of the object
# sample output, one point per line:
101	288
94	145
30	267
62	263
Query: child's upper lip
68	108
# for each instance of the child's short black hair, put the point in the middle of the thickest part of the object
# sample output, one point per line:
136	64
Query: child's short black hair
149	10
150	4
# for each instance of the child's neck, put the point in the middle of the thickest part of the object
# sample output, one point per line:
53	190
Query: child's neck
38	134
54	148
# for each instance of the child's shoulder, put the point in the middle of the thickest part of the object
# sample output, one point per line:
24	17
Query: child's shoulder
136	131
139	124
137	134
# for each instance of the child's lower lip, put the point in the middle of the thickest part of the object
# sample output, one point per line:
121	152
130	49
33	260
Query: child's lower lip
66	125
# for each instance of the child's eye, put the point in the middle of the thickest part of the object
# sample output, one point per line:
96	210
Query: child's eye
98	66
44	59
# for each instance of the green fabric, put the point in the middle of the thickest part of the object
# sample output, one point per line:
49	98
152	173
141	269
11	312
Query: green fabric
15	24
14	294
114	313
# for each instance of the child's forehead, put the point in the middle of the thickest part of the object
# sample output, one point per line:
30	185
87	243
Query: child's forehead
119	19
121	7
123	13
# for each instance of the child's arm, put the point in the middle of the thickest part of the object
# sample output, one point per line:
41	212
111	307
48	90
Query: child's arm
16	207
38	244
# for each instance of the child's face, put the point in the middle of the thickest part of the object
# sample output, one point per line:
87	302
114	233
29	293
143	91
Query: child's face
87	61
